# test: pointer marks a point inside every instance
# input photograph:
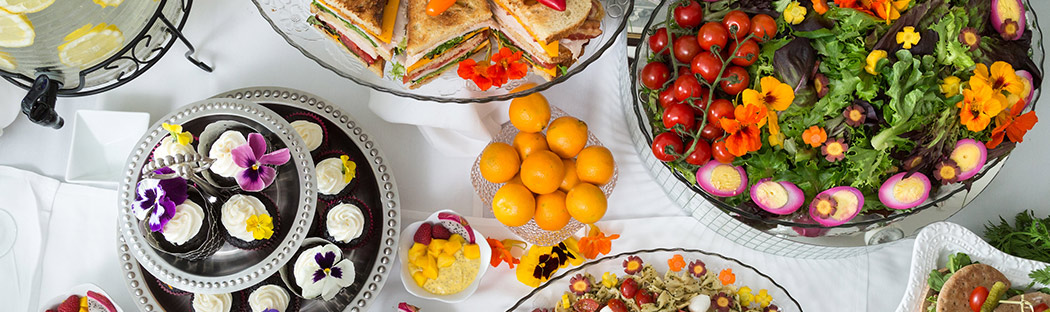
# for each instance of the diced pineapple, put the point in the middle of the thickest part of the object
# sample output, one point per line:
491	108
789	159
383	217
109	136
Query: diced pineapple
452	247
472	251
419	278
445	261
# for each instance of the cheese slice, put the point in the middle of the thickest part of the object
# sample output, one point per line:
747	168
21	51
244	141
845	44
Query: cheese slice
553	72
551	48
424	61
389	19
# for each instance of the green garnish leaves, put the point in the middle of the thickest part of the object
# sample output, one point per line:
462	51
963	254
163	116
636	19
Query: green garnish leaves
1041	276
936	280
958	261
397	70
955	262
1028	238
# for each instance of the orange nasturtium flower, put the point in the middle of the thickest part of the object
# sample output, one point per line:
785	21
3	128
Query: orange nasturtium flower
888	10
1012	124
814	136
501	251
727	277
744	131
596	243
978	107
1001	79
676	263
775	96
472	70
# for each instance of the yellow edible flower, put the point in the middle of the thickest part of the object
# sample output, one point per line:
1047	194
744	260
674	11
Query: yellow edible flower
261	226
763	298
565	301
873	60
609	280
349	168
950	86
181	137
745	296
908	37
795	13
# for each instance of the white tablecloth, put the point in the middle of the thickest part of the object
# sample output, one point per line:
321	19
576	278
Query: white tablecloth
245	51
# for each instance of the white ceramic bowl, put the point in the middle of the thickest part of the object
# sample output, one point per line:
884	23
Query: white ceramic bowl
102	141
79	290
406	276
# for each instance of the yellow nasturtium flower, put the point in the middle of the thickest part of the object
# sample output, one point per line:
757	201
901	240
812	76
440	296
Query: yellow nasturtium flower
873	60
950	86
795	13
908	37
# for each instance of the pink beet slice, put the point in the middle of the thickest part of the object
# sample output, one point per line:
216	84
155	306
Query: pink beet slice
780	198
900	192
970	156
836	206
722	180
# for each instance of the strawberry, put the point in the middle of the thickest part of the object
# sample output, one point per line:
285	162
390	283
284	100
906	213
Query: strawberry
422	235
72	304
440	232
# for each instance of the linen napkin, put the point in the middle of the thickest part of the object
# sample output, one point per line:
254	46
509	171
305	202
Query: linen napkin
27	197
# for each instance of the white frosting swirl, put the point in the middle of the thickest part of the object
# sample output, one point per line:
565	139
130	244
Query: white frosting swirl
212	303
330	176
187	222
345	222
220	151
169	146
269	297
311	133
235	213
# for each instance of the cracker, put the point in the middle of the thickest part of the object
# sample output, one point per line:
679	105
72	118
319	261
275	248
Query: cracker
955	295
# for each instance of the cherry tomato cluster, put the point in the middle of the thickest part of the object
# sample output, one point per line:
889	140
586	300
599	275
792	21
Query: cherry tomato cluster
698	67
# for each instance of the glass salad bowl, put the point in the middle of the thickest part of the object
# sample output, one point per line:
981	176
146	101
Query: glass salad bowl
289	18
793	235
548	295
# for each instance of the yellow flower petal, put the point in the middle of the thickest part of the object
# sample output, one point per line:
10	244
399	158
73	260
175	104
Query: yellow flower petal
950	86
908	37
795	13
873	61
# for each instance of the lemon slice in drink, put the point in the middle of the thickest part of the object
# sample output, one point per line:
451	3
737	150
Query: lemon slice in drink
7	62
15	30
90	44
25	6
105	3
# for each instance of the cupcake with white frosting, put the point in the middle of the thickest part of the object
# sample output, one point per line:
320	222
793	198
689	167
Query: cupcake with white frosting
250	221
212	303
177	142
335	174
221	152
346	222
311	128
270	296
191	233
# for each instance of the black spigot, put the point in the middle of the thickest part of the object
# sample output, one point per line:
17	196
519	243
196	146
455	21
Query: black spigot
39	104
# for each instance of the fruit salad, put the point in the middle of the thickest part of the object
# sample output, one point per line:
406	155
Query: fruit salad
441	262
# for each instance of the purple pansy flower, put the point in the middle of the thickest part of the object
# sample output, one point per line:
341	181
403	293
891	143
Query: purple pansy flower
271	310
327	274
256	176
157	199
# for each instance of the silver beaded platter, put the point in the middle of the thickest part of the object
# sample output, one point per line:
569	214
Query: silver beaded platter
229	269
374	187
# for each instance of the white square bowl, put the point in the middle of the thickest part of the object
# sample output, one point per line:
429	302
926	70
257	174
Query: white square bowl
102	141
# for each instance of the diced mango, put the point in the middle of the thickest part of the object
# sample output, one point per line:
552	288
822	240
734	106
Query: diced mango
452	247
472	251
418	250
457	238
436	245
419	278
445	261
430	269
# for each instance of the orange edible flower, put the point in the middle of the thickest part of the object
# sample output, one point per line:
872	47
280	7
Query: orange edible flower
596	243
775	96
1002	78
676	263
727	277
978	107
888	10
820	6
1013	124
478	72
814	136
744	134
502	254
511	63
